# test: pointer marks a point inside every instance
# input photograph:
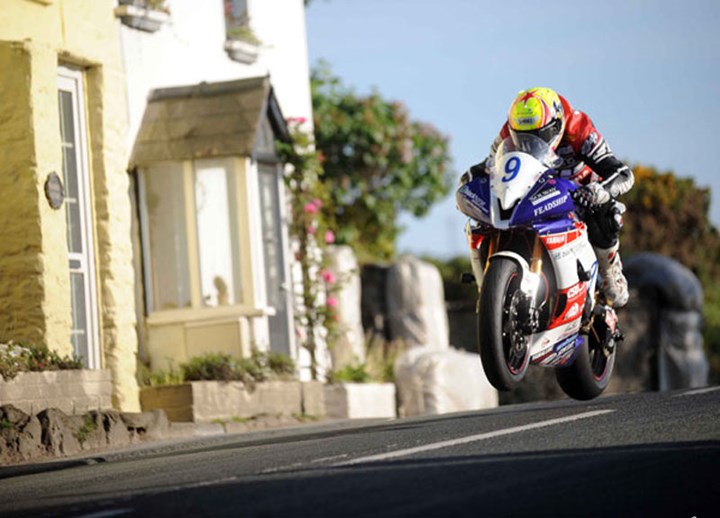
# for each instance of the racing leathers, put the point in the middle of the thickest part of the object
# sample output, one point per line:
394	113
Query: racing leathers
588	161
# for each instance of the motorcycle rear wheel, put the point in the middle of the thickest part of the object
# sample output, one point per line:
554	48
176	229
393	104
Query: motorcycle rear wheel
505	357
589	375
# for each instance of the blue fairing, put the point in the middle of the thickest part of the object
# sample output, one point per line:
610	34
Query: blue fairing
473	199
546	207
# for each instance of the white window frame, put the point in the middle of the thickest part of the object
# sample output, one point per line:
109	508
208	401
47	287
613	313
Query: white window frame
71	80
245	208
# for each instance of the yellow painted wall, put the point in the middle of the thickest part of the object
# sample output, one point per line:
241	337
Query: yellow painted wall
36	36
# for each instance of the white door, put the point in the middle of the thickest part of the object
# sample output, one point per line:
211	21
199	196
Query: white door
76	178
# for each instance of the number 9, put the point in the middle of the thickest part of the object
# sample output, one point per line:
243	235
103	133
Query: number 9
512	168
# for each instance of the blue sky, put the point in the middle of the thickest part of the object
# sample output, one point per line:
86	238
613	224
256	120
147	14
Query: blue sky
647	72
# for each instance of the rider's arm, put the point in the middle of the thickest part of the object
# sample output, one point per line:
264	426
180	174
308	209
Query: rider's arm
616	177
593	149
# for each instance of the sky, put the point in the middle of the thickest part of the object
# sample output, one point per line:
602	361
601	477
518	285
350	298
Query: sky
646	71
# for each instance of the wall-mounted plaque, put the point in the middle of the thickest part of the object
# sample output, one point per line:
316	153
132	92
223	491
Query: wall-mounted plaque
54	190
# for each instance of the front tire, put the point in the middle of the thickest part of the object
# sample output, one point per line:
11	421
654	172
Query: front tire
503	345
589	375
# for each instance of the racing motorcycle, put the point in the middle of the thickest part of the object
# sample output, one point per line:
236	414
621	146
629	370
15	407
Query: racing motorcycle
539	299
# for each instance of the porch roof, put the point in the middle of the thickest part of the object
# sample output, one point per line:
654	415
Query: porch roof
206	120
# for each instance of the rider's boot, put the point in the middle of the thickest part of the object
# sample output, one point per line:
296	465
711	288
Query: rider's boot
614	284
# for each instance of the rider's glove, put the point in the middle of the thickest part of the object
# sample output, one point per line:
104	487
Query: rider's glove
591	195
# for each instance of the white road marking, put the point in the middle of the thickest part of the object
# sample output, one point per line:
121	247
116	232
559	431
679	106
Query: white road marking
325	459
695	392
471	438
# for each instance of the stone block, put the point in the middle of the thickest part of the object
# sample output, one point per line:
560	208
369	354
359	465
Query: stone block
67	390
280	397
152	398
313	398
222	400
10	392
63	404
82	405
360	400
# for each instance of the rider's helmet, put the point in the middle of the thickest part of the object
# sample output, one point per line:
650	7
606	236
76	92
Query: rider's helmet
537	111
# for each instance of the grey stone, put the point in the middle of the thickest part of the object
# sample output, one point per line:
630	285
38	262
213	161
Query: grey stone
29	445
116	431
57	436
149	425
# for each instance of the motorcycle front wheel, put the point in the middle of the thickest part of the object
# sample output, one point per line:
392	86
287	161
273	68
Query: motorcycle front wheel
503	344
589	374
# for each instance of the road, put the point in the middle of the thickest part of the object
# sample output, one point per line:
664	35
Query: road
633	455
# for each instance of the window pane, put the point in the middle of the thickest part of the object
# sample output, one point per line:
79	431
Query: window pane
271	232
167	236
78	335
70	172
215	239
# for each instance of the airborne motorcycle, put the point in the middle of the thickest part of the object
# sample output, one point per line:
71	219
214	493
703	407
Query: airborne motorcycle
537	274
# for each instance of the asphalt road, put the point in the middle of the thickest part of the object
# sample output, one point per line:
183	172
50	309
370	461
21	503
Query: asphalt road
636	455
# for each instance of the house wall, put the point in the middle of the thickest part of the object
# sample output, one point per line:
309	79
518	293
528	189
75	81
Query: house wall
36	36
190	50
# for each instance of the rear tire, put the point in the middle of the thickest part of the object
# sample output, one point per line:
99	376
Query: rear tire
589	375
504	357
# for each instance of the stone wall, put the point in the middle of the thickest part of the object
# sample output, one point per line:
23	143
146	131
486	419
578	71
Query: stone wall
72	391
203	401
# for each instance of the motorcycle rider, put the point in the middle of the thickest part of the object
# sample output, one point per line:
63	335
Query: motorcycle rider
588	161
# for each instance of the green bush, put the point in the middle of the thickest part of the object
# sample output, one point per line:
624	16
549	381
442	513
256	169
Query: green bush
22	357
212	366
261	366
350	374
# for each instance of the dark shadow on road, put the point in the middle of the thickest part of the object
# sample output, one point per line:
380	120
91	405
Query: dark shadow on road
662	479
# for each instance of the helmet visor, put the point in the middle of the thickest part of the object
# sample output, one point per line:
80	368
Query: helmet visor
547	133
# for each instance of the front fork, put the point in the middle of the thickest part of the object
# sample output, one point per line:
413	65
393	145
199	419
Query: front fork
531	272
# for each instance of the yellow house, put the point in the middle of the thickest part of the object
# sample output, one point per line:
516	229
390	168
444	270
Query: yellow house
66	255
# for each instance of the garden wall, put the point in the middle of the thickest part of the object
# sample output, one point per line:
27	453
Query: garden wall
72	391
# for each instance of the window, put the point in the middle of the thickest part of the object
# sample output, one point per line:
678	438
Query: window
167	237
237	20
190	233
78	215
217	234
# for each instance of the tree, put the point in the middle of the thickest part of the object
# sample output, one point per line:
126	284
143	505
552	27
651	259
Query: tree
376	162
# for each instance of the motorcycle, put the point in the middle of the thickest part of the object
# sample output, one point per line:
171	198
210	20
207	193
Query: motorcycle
539	300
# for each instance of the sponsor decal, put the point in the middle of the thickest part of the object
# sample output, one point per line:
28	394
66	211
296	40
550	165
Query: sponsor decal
549	206
543	195
475	199
576	290
573	311
589	143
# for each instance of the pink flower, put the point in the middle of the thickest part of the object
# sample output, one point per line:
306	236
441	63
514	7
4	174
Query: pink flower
328	276
311	230
310	208
317	202
332	301
329	237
